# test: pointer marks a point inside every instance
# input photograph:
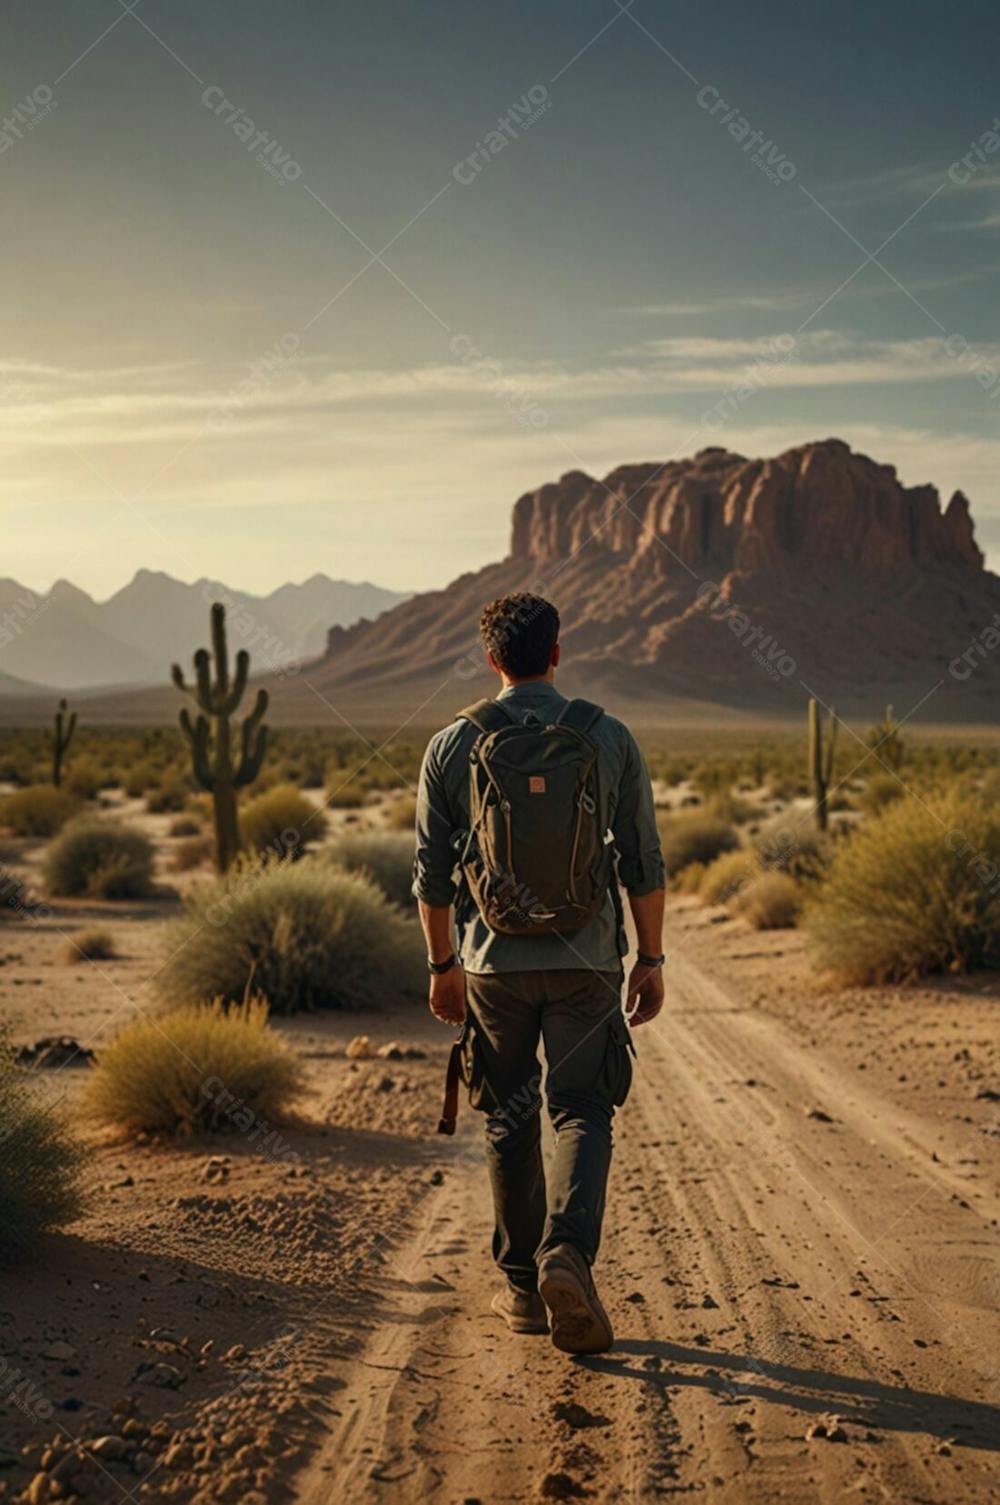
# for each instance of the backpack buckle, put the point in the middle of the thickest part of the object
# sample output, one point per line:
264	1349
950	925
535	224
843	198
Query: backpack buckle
587	802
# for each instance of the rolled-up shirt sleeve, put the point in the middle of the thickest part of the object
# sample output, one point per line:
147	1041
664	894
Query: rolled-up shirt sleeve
637	840
434	863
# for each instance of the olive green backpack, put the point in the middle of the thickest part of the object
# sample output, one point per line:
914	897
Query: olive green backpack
535	857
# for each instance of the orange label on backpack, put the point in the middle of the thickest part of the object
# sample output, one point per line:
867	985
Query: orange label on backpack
536	783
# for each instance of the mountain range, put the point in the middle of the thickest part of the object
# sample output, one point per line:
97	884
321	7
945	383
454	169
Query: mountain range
66	640
716	586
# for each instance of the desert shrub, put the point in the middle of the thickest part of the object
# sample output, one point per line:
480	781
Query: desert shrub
140	777
281	823
195	1068
38	810
723	879
40	1164
184	825
90	946
688	880
402	814
83	779
303	935
879	791
773	901
192	852
913	891
171	793
730	808
346	796
386	856
790	843
99	859
694	836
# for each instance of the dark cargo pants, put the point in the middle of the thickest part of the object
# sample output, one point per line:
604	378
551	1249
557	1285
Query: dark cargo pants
587	1046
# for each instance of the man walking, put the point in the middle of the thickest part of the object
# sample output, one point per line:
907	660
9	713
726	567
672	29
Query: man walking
531	810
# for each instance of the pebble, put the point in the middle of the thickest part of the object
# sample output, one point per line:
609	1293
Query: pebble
59	1350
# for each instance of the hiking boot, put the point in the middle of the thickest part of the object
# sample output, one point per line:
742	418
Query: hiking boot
579	1322
523	1311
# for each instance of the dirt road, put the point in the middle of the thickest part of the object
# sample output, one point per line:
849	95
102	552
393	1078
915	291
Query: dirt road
787	1253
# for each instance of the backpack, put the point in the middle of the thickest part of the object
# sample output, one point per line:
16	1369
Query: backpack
535	857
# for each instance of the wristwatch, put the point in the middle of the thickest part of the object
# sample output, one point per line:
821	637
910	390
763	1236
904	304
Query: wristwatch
649	961
438	968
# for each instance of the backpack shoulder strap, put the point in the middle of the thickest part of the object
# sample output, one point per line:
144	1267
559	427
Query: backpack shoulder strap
581	715
486	715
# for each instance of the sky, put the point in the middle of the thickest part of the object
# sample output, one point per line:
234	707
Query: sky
327	287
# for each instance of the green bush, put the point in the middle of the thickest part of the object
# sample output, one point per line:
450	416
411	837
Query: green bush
386	857
38	810
195	1068
723	879
912	891
694	836
281	823
303	935
90	946
99	859
773	901
40	1164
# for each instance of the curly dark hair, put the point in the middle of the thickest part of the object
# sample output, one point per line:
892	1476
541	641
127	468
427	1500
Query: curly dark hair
519	632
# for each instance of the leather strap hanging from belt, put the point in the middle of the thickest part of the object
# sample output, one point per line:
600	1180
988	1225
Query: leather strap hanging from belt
453	1077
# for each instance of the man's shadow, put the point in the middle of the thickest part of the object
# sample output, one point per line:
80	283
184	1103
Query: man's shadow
865	1402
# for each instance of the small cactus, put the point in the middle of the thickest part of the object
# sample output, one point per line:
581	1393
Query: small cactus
821	755
886	743
62	736
211	746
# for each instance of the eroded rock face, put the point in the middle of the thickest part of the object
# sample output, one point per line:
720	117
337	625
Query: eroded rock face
816	506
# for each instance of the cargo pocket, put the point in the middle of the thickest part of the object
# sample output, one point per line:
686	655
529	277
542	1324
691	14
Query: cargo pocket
616	1072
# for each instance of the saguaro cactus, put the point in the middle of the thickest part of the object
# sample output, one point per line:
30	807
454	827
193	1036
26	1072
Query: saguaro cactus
62	735
211	747
821	753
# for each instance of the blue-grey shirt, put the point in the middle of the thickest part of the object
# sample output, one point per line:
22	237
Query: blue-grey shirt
443	811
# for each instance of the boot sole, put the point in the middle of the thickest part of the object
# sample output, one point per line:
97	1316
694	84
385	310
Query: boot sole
579	1322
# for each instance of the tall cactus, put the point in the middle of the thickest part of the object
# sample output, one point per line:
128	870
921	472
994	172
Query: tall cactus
886	742
821	759
211	748
62	735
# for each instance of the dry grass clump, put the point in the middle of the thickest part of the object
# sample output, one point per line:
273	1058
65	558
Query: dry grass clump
40	1164
914	890
99	859
38	810
402	814
384	856
723	879
281	823
84	779
90	946
772	902
790	843
302	935
196	1068
171	793
694	836
880	791
688	880
192	852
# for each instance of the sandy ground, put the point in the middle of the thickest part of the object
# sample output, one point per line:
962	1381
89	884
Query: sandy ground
800	1260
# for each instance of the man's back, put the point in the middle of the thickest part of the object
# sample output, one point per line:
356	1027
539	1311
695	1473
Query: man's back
626	811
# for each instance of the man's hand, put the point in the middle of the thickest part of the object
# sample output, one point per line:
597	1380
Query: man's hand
644	994
447	996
